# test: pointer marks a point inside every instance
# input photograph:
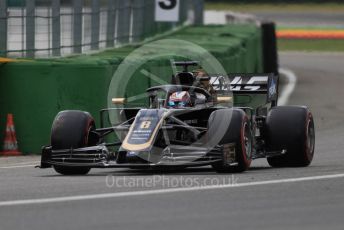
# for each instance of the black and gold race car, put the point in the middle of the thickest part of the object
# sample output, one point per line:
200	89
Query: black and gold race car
222	121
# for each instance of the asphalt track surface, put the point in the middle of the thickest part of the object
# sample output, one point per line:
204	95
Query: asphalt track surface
263	198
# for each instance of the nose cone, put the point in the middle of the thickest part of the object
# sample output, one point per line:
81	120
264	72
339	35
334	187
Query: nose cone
144	130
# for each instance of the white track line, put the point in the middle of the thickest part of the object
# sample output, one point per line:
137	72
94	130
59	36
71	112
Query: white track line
162	191
289	88
26	163
17	166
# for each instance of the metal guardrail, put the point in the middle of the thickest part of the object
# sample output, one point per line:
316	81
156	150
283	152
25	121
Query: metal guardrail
37	28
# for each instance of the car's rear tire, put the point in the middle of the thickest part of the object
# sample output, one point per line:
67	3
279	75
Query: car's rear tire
71	129
290	128
238	132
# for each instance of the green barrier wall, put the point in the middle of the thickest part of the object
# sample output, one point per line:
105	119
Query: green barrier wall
35	91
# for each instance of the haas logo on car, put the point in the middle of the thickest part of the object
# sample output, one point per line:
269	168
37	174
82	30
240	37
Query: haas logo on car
239	83
272	89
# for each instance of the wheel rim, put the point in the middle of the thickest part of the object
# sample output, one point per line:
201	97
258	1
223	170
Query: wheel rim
247	141
310	139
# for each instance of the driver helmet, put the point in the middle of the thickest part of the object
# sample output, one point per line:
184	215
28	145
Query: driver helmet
179	99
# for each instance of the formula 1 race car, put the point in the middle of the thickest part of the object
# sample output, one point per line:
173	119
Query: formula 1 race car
222	121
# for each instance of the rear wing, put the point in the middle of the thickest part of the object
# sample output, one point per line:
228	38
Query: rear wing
266	84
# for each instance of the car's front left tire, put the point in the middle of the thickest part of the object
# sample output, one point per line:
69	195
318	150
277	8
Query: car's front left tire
238	133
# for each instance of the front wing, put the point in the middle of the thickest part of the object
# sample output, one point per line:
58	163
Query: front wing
100	157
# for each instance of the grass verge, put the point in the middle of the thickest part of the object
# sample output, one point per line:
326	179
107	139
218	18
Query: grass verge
322	45
279	7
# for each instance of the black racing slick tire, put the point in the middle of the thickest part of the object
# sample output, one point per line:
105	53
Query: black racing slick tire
290	128
238	132
71	129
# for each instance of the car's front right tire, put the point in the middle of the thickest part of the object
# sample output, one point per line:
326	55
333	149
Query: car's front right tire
71	129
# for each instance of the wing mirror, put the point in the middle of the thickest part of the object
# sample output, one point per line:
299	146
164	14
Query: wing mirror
224	99
118	100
